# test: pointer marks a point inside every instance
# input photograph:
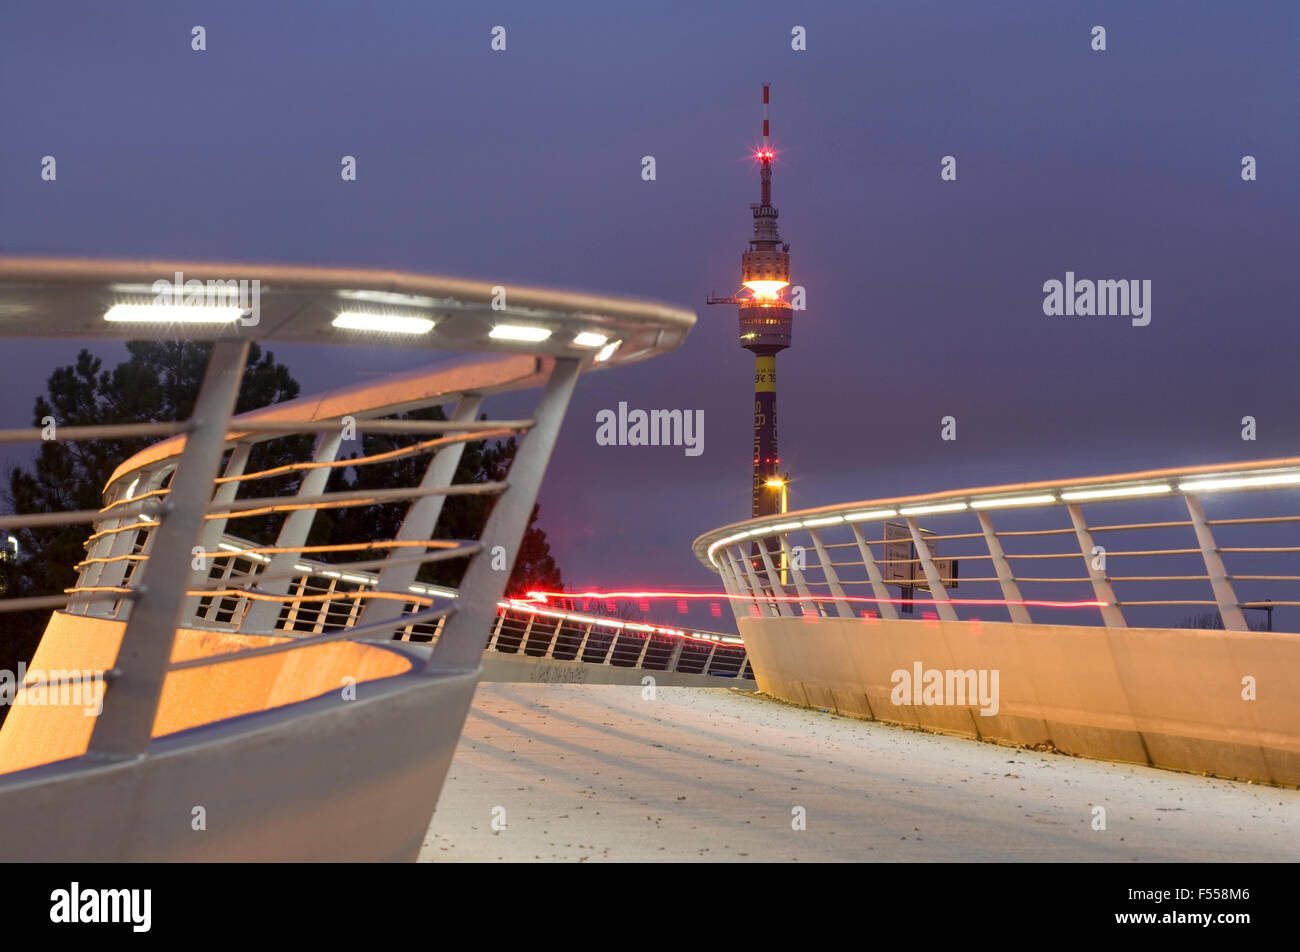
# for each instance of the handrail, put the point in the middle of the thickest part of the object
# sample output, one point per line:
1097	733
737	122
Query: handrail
166	507
757	563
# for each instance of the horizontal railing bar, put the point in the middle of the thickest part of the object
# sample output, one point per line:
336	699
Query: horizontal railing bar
1077	555
130	557
1271	548
293	644
1171	602
1159	578
1140	525
442	555
1267	578
330	596
388	456
380	426
129	527
1021	578
239	508
111	431
44	519
151	494
1252	521
33	602
109	674
113	589
335	547
1032	532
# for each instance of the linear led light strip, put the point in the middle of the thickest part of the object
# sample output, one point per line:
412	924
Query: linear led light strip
864	514
1151	490
1004	501
172	314
519	332
931	507
383	323
1239	482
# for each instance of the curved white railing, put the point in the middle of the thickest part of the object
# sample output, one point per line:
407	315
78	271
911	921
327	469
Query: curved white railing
1164	531
153	547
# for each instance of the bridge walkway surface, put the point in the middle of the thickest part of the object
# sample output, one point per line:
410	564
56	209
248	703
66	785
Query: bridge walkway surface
595	773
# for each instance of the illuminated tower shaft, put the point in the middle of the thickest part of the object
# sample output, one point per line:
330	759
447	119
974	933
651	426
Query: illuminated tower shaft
766	319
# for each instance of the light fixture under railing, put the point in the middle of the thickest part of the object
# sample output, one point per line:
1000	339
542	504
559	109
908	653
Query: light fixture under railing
935	507
588	339
172	314
1239	482
383	323
864	514
827	521
998	503
607	351
1081	494
519	332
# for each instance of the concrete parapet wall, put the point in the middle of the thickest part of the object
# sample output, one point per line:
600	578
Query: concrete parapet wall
42	733
1167	697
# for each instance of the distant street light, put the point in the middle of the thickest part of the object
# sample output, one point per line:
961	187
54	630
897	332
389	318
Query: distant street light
782	483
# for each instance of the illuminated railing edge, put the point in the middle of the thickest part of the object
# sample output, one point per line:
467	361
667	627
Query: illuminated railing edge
1226	477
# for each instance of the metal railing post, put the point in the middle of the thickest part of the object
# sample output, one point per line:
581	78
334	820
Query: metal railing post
645	646
496	631
743	586
1234	619
582	642
421	518
800	585
528	630
461	644
782	606
676	656
832	578
125	725
1111	616
878	589
213	529
1006	578
261	615
938	594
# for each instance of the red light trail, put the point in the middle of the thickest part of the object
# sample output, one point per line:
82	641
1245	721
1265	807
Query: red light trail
543	597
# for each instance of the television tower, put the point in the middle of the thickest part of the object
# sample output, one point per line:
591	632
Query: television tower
766	319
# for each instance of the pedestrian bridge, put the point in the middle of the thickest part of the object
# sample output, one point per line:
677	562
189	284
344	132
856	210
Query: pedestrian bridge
1056	615
307	697
221	674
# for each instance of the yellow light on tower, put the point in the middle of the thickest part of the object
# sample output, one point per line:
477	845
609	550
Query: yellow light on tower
766	289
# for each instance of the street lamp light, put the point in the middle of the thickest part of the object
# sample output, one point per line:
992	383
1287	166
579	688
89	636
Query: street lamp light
782	483
14	543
